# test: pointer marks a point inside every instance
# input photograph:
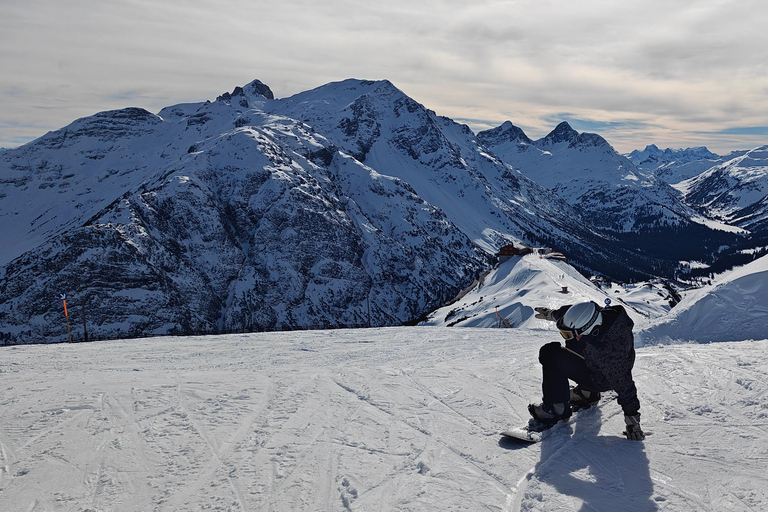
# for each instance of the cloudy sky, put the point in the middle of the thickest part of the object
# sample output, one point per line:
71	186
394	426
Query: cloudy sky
676	73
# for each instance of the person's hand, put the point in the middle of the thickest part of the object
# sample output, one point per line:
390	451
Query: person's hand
633	432
544	314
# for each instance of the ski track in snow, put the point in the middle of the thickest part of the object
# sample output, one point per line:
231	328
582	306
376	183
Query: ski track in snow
377	419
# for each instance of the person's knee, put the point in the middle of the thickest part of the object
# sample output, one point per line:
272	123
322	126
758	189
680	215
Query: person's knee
549	352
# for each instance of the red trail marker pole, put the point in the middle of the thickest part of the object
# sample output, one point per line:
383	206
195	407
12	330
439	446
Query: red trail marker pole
66	315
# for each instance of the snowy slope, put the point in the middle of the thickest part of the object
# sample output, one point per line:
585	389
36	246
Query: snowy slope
675	165
386	130
734	307
512	289
347	205
588	173
65	177
239	220
735	191
382	419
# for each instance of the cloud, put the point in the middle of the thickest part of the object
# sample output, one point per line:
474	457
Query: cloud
744	130
666	72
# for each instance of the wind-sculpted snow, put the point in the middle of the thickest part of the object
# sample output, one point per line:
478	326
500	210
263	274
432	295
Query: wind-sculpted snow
375	419
732	308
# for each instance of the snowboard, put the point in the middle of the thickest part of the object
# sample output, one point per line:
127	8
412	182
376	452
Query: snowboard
533	432
536	431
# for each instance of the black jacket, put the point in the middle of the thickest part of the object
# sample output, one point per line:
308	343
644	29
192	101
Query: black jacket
609	352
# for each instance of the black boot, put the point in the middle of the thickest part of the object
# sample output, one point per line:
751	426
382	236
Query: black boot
583	398
549	413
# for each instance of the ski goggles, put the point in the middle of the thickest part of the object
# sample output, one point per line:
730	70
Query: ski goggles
569	333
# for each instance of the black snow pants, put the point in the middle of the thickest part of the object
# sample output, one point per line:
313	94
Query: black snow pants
558	366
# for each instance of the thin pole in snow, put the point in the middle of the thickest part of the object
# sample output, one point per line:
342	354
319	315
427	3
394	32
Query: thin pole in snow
66	315
85	324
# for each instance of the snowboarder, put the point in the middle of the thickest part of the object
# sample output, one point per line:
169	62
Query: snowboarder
598	355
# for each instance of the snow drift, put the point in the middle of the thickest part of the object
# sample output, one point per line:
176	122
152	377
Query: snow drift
733	308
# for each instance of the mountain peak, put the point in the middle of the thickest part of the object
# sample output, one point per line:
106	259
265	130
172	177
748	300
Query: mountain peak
254	89
259	87
652	157
562	133
507	132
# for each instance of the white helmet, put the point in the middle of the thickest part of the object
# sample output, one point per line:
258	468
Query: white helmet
580	319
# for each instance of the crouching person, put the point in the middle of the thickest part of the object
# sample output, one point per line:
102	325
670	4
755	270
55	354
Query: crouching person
599	354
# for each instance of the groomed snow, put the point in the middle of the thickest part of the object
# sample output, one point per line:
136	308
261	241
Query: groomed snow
377	419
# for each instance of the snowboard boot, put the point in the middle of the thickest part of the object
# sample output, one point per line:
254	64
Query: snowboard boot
583	398
549	414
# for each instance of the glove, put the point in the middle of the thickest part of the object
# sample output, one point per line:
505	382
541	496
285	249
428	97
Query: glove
633	432
544	314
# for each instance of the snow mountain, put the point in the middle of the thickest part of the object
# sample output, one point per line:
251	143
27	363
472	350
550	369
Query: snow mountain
585	170
227	217
674	165
642	213
347	205
652	157
490	202
735	191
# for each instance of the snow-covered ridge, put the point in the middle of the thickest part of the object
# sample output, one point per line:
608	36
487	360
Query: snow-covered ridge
733	307
507	295
735	191
588	173
676	165
237	219
489	200
251	213
350	204
652	157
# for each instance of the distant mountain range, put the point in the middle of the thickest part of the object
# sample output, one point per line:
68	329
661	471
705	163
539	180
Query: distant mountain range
735	191
584	170
675	165
347	205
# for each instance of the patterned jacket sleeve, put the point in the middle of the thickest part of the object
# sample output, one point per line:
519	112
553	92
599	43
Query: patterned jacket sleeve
615	359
